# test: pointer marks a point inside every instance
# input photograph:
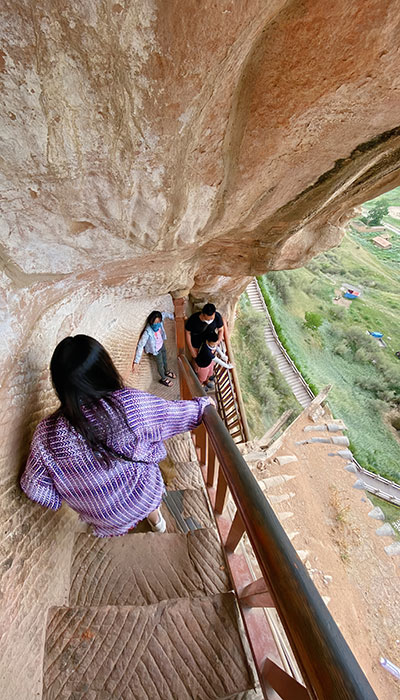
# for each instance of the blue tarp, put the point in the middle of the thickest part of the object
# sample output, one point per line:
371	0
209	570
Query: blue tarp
375	334
347	295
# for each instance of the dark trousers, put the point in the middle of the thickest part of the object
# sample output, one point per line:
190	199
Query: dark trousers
161	359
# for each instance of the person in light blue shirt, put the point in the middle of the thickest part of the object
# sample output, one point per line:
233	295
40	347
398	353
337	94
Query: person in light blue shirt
152	342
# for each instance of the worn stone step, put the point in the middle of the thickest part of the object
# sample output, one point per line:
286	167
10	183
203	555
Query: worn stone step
187	476
183	648
143	569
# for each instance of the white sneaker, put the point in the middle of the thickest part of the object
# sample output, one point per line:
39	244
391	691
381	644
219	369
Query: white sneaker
161	525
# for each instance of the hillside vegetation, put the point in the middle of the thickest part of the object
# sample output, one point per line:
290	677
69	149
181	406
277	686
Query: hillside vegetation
330	343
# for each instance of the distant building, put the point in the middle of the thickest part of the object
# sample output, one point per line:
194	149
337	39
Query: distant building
381	242
350	291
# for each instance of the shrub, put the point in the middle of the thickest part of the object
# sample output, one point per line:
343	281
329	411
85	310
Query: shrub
342	349
357	338
392	378
378	388
338	312
376	213
361	355
313	320
281	283
313	266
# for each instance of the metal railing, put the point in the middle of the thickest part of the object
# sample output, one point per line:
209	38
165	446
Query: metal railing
328	666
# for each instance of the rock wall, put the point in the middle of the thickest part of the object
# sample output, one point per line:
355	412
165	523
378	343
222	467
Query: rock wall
36	544
150	147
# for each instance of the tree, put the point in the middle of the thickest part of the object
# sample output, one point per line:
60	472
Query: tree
376	213
313	320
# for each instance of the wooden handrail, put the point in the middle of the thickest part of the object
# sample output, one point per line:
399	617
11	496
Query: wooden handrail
329	668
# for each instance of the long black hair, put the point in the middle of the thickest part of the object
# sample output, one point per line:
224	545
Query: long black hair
152	317
84	376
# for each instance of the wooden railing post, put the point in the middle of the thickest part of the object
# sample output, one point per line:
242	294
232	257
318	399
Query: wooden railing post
211	462
201	444
256	595
221	493
235	533
286	686
179	308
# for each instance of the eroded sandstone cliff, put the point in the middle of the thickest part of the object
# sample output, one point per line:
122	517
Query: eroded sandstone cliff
150	147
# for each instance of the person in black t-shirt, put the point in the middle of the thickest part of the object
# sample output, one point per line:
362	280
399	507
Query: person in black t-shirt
200	324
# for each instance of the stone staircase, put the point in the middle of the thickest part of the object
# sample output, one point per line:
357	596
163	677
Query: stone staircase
150	615
284	366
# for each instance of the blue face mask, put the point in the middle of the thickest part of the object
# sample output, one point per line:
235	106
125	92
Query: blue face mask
156	326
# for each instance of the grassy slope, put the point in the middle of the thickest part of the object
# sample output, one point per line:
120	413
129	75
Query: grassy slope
312	289
390	257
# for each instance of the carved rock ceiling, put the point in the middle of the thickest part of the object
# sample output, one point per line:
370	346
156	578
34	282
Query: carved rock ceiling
190	141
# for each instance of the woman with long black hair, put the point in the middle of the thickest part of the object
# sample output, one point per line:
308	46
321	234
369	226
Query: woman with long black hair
99	452
152	341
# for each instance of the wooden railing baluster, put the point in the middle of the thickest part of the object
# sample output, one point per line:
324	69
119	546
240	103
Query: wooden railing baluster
221	493
201	444
235	533
211	464
285	685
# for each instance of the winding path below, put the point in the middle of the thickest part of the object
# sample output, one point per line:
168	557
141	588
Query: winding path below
373	483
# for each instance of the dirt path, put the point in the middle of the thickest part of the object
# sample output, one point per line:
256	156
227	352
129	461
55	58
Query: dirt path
342	552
